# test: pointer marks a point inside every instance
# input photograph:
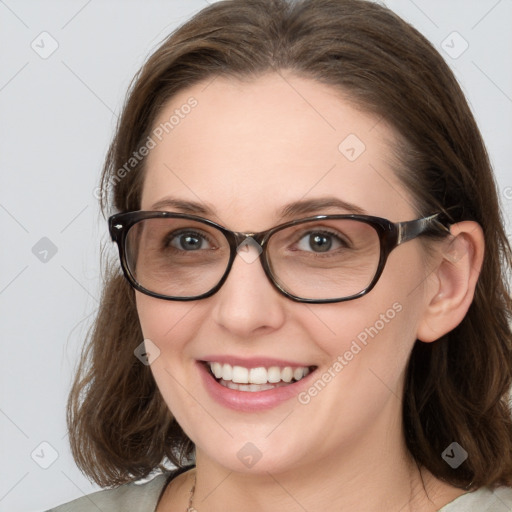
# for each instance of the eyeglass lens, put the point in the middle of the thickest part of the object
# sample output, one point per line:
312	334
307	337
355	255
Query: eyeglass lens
319	259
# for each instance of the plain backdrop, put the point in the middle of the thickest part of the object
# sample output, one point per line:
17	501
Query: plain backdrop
65	68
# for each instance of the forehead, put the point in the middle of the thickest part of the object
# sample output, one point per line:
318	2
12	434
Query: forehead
248	148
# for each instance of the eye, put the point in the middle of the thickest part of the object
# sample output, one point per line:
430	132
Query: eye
320	241
188	241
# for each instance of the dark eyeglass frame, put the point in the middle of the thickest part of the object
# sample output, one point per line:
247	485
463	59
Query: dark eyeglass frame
391	235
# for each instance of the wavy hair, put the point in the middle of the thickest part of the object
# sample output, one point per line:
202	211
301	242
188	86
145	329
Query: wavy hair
457	388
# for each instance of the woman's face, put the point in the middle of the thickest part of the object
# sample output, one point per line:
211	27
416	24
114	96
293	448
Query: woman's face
244	152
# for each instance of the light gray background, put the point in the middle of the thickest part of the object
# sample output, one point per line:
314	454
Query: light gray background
57	118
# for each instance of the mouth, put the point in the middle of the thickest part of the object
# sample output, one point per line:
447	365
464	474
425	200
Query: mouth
256	379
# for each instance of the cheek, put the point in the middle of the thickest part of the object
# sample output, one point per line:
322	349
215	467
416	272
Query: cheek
366	335
377	331
167	329
168	325
162	321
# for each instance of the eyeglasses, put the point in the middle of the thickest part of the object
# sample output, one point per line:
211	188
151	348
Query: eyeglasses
320	259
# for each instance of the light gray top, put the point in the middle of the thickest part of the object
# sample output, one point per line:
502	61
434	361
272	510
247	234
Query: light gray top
482	500
130	497
144	498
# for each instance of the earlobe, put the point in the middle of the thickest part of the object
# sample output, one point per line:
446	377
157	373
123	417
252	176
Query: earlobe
453	282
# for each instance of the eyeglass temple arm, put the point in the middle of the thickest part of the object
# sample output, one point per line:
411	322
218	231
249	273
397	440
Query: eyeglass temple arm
413	228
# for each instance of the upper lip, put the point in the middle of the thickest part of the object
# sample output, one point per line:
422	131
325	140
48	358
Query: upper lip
252	362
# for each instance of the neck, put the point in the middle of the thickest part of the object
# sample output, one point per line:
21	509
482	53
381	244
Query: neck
375	473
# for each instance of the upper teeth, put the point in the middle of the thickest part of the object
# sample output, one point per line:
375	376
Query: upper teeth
258	375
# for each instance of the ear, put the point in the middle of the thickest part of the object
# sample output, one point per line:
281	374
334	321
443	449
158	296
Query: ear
451	287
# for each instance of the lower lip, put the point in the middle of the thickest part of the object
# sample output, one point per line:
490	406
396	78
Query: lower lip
250	401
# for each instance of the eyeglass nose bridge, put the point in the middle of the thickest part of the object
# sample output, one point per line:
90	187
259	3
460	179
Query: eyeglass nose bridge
244	242
240	237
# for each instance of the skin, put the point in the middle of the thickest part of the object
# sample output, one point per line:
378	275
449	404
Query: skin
246	150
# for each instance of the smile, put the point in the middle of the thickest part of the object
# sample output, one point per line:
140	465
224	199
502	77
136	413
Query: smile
256	379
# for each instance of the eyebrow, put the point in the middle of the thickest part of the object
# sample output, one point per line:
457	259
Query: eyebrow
301	207
309	206
190	207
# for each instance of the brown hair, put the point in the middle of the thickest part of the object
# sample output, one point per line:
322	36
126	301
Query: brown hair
457	388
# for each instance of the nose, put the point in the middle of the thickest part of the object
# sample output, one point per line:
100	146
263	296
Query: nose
247	303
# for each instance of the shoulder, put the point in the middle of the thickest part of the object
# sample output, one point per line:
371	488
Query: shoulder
482	500
136	497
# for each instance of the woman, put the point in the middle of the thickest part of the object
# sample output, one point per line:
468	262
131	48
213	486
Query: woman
314	312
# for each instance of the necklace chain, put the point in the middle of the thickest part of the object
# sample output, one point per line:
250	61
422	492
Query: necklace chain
190	507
